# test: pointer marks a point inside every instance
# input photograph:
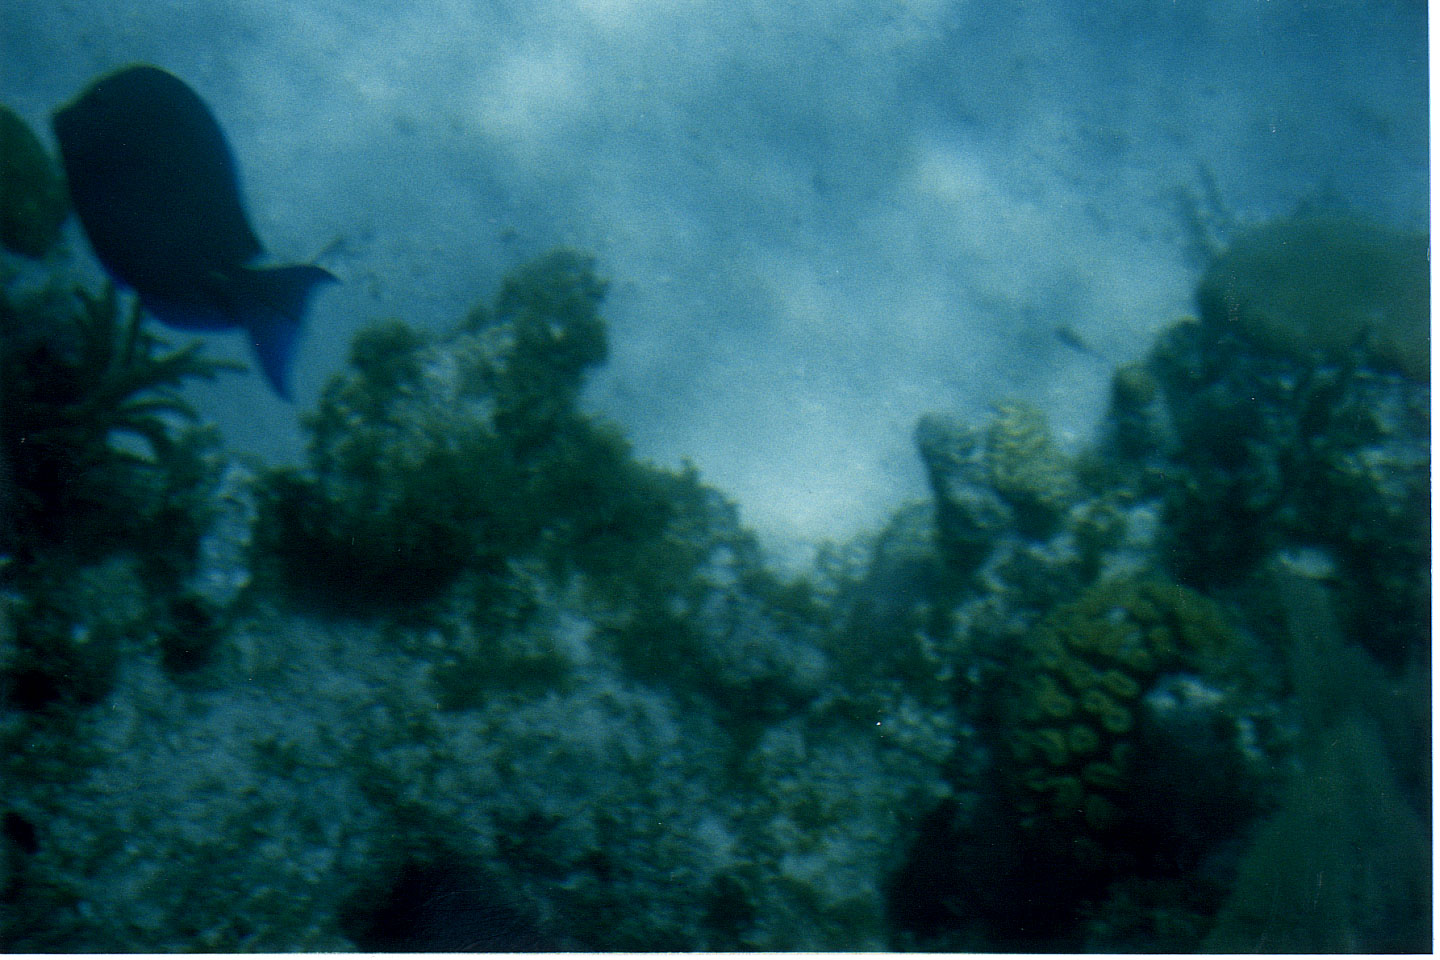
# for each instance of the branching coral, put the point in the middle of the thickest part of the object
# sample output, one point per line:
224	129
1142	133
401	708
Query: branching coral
74	375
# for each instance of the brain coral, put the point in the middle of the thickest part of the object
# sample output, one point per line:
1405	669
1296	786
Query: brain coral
1072	723
1323	286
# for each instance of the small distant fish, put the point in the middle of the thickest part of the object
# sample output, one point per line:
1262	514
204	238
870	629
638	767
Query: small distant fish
155	186
1073	340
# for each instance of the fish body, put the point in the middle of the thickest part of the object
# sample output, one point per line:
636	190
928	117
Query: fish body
156	189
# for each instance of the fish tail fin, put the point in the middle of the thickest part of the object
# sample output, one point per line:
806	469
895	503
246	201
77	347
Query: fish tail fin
273	309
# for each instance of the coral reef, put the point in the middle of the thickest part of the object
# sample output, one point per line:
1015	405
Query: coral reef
1322	287
605	661
434	454
1227	450
1122	736
1274	453
475	677
1092	706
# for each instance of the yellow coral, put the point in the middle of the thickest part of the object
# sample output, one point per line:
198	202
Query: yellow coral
1027	467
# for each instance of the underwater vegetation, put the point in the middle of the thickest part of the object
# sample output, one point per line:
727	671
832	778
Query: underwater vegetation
1119	722
1273	454
1182	688
433	455
79	374
105	481
473	676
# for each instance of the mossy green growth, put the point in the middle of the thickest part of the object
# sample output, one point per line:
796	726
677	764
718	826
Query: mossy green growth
552	308
33	199
433	454
406	468
1321	287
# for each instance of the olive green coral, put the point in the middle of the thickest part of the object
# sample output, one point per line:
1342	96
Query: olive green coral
1071	721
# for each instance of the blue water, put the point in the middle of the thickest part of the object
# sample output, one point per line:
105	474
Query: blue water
822	219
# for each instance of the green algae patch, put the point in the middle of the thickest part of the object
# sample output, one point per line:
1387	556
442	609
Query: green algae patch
1323	286
433	454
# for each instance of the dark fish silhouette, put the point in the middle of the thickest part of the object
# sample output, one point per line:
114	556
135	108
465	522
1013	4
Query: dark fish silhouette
154	184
